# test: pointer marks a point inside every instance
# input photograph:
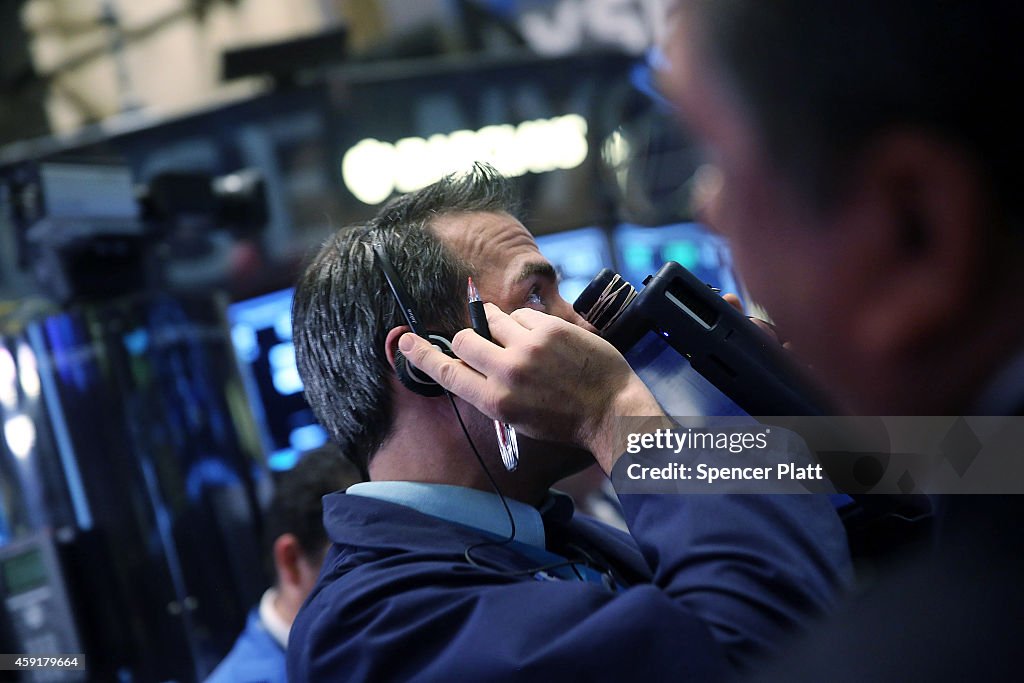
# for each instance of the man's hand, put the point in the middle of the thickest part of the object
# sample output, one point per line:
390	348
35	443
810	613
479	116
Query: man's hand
548	378
765	326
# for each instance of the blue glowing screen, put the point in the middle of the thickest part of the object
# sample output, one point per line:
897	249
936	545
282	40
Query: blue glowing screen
261	330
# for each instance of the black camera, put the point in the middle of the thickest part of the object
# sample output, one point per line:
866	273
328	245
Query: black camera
87	231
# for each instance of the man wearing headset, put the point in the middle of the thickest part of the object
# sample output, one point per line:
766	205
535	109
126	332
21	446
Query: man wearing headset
422	580
867	157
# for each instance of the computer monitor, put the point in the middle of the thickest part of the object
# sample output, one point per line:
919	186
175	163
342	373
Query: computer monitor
261	330
642	250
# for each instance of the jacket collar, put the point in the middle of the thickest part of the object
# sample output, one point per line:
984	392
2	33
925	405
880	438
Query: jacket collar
469	507
363	524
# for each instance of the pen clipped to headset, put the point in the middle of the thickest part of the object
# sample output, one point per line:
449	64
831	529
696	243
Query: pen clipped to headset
507	444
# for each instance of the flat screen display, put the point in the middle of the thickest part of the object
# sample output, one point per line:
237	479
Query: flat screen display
261	330
23	572
578	255
641	251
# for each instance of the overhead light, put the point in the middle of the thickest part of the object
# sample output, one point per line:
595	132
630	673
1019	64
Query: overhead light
8	380
373	169
28	371
20	434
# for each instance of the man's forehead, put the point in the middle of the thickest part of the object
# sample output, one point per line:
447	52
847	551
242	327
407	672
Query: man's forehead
484	239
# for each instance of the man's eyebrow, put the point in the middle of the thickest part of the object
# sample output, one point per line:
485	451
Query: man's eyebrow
543	269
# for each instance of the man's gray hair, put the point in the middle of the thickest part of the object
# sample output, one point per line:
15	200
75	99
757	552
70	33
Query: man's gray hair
343	309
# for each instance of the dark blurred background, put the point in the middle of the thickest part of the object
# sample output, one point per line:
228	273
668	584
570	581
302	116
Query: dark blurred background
165	168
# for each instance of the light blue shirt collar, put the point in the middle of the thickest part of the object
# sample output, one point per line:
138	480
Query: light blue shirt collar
470	507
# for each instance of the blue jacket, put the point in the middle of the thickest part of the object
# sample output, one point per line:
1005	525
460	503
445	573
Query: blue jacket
254	658
716	581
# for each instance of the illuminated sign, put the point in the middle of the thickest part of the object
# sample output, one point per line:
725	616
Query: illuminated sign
373	169
565	26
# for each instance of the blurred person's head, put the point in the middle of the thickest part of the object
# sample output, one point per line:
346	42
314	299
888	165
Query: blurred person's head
346	326
865	155
294	523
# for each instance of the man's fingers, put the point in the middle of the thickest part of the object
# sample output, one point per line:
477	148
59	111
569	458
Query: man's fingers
505	329
766	327
529	318
450	373
733	301
477	352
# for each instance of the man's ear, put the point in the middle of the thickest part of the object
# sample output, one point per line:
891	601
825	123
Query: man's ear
391	343
287	555
925	236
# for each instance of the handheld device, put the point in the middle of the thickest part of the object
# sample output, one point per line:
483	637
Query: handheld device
720	343
734	368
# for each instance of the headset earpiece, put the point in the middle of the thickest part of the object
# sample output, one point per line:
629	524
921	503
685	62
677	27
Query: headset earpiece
413	379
